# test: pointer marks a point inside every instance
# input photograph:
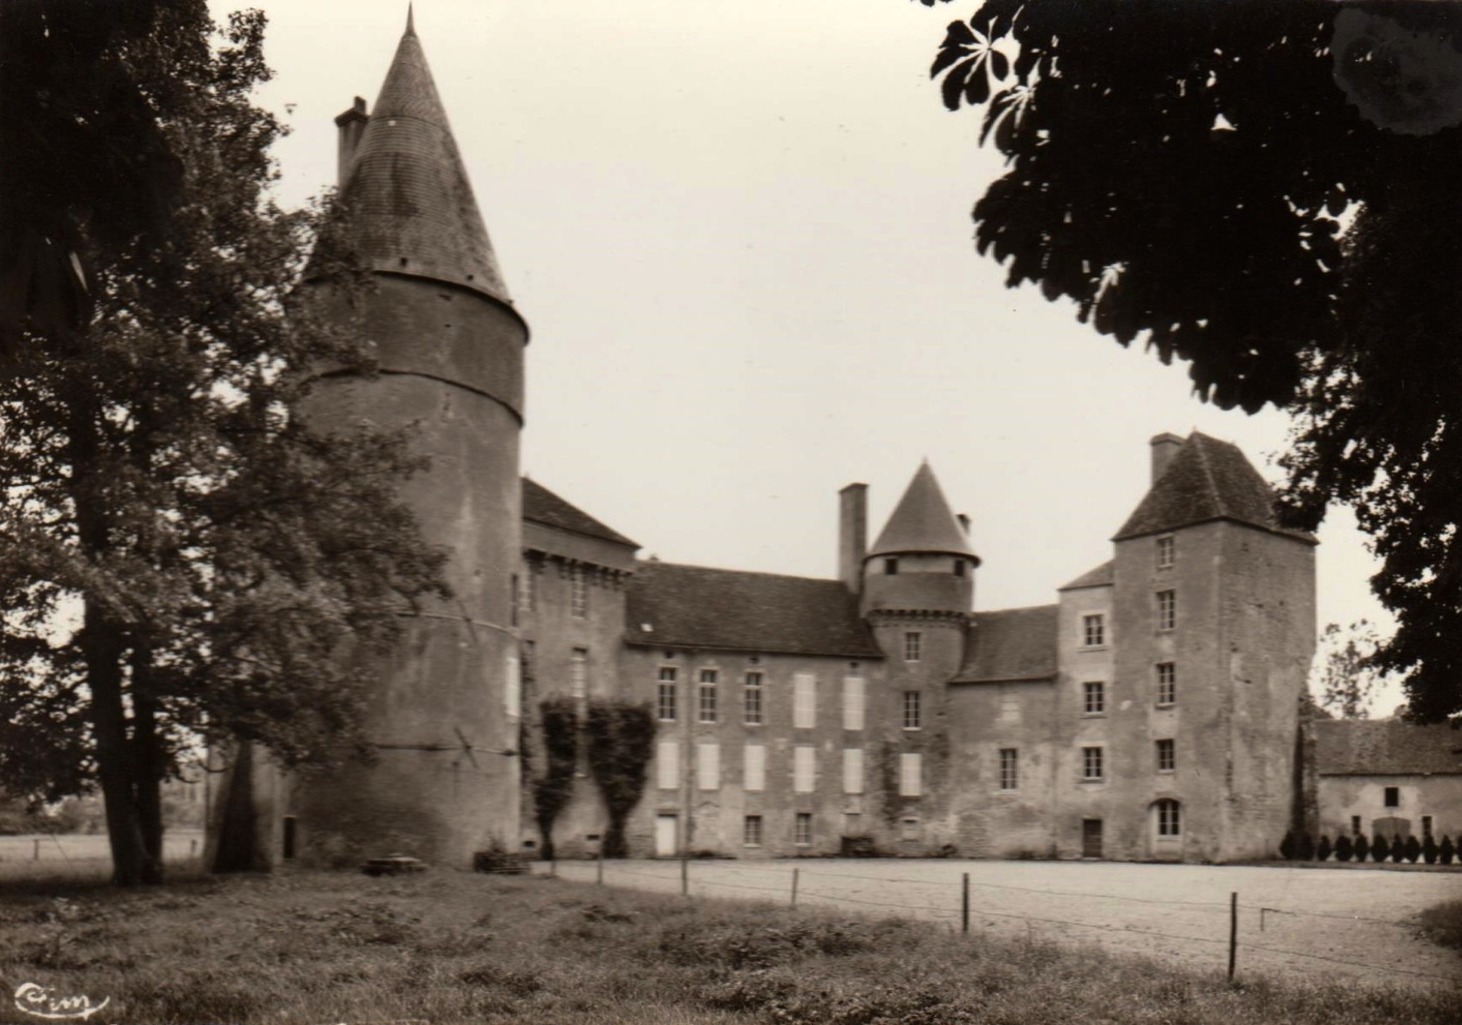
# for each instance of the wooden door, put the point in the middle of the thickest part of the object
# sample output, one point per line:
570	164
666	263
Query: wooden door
1091	838
665	835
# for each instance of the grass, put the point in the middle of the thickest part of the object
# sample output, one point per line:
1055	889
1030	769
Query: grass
1442	923
445	948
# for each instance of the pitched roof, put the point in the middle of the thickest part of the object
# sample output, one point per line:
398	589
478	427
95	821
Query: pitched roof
1103	576
1010	645
1206	480
1379	747
413	211
542	506
922	521
700	607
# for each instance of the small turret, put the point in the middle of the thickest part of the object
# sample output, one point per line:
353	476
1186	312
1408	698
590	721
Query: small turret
922	562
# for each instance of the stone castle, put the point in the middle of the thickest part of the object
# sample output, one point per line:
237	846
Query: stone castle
1149	712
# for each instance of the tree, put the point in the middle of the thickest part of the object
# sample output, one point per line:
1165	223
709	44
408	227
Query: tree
1322	849
1265	191
181	555
621	740
1342	671
1362	847
1380	849
552	791
1343	848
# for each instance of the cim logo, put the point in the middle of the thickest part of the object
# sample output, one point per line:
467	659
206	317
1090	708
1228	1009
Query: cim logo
43	1002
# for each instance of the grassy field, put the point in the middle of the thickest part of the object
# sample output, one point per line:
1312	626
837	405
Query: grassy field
446	948
84	855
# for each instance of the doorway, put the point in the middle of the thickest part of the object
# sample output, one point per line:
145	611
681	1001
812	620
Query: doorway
666	834
1091	838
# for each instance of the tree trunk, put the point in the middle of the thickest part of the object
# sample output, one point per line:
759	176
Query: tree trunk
545	831
147	763
614	846
103	652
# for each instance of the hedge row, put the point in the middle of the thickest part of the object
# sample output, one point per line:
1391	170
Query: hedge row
1359	849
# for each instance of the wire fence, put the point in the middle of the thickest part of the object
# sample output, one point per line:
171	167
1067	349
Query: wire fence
1245	929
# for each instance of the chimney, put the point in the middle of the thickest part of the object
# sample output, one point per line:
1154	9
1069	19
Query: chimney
964	523
352	126
852	535
1164	447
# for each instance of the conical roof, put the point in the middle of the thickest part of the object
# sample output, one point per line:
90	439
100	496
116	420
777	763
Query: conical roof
412	207
1206	480
922	522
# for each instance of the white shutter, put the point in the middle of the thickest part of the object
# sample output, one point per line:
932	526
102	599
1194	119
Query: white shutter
708	765
667	764
852	770
804	768
853	702
911	768
513	692
756	768
804	701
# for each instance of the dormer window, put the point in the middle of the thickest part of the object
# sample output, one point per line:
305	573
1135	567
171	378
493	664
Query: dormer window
890	567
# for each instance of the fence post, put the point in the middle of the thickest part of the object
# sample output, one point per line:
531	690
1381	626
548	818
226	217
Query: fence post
36	854
599	877
964	904
794	886
685	877
1233	933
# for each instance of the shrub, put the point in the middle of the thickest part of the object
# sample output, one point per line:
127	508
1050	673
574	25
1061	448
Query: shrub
1413	848
1398	848
1429	849
1307	848
1445	850
1442	923
1322	849
1287	847
1343	848
1362	848
1380	849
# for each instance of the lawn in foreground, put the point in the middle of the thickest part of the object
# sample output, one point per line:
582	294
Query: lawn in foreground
446	948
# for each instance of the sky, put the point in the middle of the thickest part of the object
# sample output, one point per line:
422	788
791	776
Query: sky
741	236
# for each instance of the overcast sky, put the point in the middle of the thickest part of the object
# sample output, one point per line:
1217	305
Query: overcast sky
741	235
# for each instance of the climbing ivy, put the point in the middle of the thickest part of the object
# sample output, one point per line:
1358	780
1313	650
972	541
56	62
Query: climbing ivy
552	791
621	739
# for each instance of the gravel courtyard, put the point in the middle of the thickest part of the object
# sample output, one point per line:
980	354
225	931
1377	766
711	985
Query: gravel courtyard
1293	922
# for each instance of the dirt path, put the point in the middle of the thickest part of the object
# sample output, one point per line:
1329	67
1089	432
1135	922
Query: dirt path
1309	923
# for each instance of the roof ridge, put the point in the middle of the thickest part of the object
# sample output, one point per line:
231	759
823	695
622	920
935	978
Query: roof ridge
744	572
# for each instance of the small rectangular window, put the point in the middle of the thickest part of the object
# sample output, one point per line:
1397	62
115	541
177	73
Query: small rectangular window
751	831
852	770
959	567
1091	763
667	765
579	678
1393	797
1166	548
1426	825
1168	821
804	701
890	567
706	703
1355	825
578	593
804	768
1094	697
803	834
666	694
1167	610
1009	768
913	711
1093	630
754	778
911	773
1167	683
1166	756
514	600
909	828
751	699
529	592
913	646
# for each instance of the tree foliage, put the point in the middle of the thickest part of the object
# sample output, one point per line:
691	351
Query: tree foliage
1343	672
1266	192
621	741
181	555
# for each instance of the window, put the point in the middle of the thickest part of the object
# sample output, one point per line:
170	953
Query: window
804	701
1009	768
1169	822
1091	763
708	765
1010	708
578	593
513	600
754	779
1167	683
1093	630
890	567
666	694
706	696
959	567
1095	697
529	651
528	596
802	836
667	765
1166	548
852	770
579	678
513	692
1426	825
909	828
751	699
1167	610
853	702
1355	825
751	831
1393	797
913	713
804	768
913	646
1167	759
911	773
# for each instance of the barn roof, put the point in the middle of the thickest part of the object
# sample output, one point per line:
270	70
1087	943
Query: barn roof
1011	645
1385	747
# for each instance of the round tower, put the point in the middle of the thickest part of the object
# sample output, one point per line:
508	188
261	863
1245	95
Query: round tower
922	562
442	713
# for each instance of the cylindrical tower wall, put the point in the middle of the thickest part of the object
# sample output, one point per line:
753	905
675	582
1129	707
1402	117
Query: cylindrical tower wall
921	581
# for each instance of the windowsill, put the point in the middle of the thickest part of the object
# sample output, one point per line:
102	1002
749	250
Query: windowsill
1088	780
751	845
1165	706
1166	772
1170	839
706	722
1008	790
913	729
751	724
1093	647
1093	715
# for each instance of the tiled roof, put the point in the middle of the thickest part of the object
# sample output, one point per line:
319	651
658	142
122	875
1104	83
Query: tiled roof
1206	480
413	207
1103	576
695	606
1376	747
1011	644
922	521
542	506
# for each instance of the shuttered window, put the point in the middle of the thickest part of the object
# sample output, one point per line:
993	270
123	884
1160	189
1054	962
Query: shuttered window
854	702
852	770
804	701
756	768
804	768
667	765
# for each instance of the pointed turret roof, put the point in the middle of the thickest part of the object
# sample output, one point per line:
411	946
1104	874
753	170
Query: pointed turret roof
1206	480
922	522
413	211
